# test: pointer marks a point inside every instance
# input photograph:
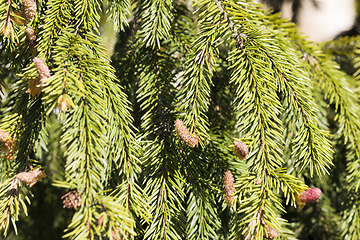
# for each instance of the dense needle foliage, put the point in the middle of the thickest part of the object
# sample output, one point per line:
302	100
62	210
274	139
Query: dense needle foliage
209	119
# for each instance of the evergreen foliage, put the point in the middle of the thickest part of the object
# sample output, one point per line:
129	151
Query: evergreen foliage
92	150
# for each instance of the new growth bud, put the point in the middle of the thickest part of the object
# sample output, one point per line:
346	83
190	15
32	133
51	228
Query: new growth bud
184	134
29	9
229	188
41	68
8	146
34	86
31	37
4	135
308	196
63	103
271	233
43	71
241	149
71	199
7	28
31	178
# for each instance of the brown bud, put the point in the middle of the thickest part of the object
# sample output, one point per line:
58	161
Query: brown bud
30	36
71	199
229	188
308	196
8	148
4	135
31	178
271	233
241	150
29	9
41	68
63	103
7	29
185	135
34	86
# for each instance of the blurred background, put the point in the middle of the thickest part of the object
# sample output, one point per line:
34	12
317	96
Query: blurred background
320	20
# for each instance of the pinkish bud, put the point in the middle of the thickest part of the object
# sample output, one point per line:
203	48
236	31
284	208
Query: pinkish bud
271	233
184	134
308	196
241	149
229	188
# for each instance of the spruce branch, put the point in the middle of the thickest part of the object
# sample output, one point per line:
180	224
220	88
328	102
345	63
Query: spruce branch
89	156
57	16
201	194
119	12
25	123
195	91
156	21
240	38
233	72
292	85
337	91
258	103
163	184
87	15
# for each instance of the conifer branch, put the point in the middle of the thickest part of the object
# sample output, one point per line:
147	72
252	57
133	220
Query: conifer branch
314	152
156	21
12	202
87	15
227	71
203	224
337	92
199	168
119	12
89	169
195	91
58	15
163	184
240	38
252	95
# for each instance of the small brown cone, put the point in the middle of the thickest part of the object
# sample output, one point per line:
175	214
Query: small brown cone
4	135
63	103
271	233
8	148
29	9
241	149
308	196
229	188
30	36
31	178
34	86
42	68
185	135
71	199
7	29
